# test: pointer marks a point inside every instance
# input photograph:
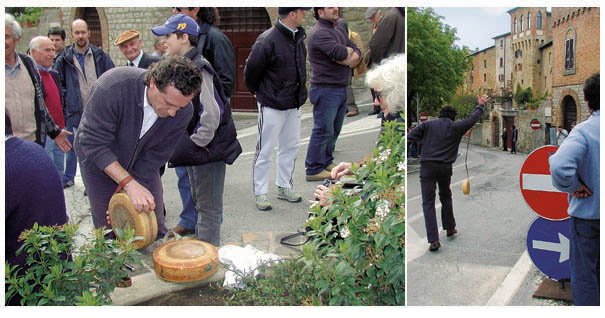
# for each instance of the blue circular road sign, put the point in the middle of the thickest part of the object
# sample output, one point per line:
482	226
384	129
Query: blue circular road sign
548	247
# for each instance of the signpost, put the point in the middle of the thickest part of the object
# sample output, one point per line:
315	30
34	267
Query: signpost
548	247
537	189
423	117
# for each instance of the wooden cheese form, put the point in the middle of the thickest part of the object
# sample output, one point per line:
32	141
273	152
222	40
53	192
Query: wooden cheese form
185	260
123	215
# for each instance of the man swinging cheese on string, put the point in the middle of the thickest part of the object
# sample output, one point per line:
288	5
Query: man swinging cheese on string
440	141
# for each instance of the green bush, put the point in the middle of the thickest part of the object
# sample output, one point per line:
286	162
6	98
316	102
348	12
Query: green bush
360	258
57	274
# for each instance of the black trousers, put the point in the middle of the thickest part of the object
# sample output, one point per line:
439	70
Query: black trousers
432	175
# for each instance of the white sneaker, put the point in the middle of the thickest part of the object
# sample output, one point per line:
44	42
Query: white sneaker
262	202
288	194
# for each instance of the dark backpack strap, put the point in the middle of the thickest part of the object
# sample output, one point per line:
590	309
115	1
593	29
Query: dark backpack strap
291	236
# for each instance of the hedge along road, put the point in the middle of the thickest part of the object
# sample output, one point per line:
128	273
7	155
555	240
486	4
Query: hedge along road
487	259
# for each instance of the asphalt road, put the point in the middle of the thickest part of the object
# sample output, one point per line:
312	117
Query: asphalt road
486	262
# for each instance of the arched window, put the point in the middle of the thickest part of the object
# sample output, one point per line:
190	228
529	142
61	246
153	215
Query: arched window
521	24
528	20
539	21
515	26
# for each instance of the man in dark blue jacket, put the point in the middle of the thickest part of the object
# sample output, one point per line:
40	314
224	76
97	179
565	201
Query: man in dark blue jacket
213	44
276	74
331	54
79	66
440	141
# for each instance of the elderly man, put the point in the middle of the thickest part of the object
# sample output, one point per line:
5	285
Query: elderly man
79	66
440	141
209	142
213	44
129	128
331	54
575	169
160	47
41	49
276	74
24	95
132	47
57	35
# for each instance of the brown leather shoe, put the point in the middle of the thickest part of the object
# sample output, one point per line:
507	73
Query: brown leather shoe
320	176
353	113
181	230
330	167
434	246
451	232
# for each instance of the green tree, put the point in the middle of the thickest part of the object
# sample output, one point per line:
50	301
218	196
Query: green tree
464	104
436	65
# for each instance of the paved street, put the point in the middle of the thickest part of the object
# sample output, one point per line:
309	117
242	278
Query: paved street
486	262
356	140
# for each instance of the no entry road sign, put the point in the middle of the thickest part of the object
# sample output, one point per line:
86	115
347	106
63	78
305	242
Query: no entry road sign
548	247
423	117
534	124
536	186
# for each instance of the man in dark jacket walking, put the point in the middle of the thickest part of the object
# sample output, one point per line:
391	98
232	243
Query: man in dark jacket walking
440	141
331	54
213	44
208	144
276	74
79	66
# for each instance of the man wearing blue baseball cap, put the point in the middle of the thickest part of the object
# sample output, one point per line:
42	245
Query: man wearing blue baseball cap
208	144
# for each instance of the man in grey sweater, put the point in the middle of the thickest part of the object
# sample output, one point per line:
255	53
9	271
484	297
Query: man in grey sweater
130	126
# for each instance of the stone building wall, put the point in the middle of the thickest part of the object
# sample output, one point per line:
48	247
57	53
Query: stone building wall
528	138
483	71
584	23
503	71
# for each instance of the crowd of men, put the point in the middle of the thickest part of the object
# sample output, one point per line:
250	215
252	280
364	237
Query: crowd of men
123	125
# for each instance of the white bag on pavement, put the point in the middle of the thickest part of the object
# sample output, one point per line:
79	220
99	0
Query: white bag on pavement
242	260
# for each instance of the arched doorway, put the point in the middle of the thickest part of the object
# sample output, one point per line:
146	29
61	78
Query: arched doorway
496	130
242	26
570	112
91	16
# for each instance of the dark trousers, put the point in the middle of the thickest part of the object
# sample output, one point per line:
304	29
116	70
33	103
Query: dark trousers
585	261
432	174
513	147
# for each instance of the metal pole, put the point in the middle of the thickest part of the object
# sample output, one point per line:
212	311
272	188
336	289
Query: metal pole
417	114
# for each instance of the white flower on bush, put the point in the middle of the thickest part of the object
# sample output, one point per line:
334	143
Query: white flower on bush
374	197
383	156
400	166
382	209
344	233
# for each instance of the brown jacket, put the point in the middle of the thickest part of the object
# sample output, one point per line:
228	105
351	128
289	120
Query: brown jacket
361	68
389	37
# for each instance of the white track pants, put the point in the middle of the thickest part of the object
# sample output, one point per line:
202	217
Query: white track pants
283	126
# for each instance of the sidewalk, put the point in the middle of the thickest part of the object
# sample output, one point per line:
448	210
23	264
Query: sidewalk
146	284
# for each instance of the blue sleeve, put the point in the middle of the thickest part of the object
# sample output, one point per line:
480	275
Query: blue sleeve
564	163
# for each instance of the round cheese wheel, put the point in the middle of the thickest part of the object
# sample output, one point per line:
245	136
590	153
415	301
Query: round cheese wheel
123	215
185	260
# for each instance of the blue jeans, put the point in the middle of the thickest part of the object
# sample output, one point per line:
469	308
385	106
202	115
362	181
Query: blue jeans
189	214
55	153
329	109
71	161
207	187
585	260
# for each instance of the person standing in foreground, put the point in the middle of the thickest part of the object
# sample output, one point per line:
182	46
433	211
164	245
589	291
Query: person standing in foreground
276	73
129	129
440	141
575	169
331	54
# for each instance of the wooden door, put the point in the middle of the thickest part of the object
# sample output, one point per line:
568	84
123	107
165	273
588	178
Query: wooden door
570	113
242	26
